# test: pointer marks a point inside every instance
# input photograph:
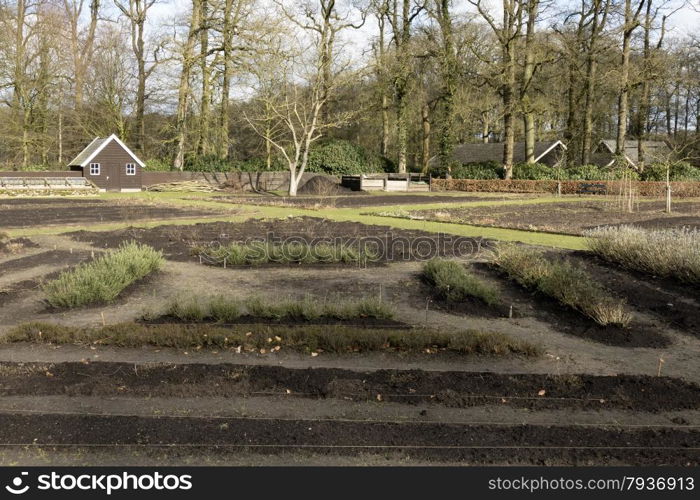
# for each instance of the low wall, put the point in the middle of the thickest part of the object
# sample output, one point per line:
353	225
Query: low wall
644	188
56	173
245	181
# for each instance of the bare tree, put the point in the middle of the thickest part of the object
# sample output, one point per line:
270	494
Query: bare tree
310	77
507	34
136	12
401	14
630	24
82	42
184	93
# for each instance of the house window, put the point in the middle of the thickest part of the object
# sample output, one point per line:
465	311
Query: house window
130	169
94	169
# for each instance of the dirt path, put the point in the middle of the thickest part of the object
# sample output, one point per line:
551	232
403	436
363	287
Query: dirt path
398	284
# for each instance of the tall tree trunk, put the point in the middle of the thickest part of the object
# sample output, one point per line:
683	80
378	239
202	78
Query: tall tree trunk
401	24
509	111
485	127
381	74
140	90
425	120
228	34
203	143
385	125
528	73
449	76
188	60
630	24
645	93
600	9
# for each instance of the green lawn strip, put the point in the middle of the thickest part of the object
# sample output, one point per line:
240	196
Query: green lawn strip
336	214
529	237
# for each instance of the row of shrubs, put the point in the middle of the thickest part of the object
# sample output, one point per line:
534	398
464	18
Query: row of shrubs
336	339
261	252
222	309
567	283
104	278
670	253
680	171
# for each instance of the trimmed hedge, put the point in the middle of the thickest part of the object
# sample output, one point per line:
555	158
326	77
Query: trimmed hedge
340	157
680	171
679	189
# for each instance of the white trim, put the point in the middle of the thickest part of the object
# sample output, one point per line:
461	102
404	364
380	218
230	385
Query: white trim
73	160
109	139
99	169
131	190
133	165
549	149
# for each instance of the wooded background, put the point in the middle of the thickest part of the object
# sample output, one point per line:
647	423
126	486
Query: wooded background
258	83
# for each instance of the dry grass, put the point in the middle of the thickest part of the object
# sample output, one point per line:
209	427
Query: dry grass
223	309
104	278
569	284
454	283
274	338
671	253
257	253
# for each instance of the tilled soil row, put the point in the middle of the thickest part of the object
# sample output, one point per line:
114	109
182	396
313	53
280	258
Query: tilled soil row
449	389
40	213
434	441
391	244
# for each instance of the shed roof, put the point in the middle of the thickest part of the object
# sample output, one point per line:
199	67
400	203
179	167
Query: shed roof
653	150
493	151
97	145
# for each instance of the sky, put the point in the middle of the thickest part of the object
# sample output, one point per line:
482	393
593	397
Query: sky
685	19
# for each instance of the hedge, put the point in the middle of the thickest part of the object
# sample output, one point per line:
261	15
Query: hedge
644	188
341	157
330	156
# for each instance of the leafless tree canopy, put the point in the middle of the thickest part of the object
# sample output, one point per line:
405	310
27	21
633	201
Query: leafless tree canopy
236	80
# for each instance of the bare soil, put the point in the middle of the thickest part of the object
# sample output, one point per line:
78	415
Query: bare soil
445	388
44	212
390	243
432	441
571	218
594	398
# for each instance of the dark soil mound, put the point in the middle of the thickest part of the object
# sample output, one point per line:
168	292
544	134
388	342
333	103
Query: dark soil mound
321	185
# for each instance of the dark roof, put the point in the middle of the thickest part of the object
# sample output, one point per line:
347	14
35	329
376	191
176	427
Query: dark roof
95	147
493	151
653	150
85	155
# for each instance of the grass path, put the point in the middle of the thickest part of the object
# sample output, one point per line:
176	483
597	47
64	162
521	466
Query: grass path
365	215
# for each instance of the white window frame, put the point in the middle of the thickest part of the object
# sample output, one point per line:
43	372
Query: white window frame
133	167
95	169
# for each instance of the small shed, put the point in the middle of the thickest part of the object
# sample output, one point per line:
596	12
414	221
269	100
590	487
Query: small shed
110	165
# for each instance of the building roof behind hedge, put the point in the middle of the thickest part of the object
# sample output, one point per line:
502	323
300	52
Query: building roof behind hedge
493	151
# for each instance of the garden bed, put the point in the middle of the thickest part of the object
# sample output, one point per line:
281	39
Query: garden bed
572	218
455	389
42	212
178	241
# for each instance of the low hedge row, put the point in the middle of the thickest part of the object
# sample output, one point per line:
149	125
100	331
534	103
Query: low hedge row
644	188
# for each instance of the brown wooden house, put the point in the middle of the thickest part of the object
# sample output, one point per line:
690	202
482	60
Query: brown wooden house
110	165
